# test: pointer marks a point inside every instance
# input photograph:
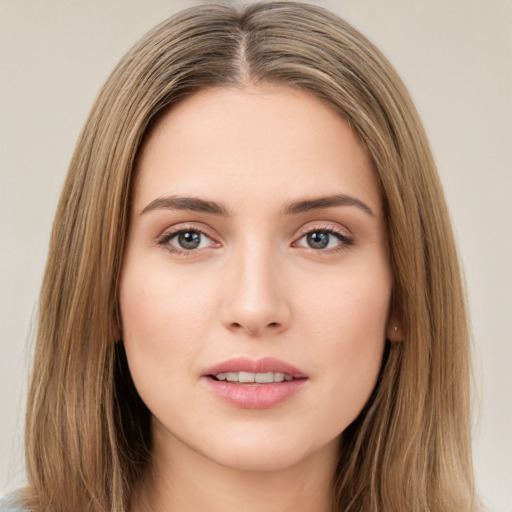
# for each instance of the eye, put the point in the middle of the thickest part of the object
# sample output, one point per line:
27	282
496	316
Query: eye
185	240
322	239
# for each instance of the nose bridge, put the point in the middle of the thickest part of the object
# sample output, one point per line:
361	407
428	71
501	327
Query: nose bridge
255	302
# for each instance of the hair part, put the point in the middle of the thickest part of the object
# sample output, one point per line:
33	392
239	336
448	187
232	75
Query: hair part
87	431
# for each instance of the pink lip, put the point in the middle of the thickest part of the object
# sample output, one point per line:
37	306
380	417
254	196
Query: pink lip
253	395
263	365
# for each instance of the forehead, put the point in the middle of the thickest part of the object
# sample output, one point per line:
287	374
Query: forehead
251	144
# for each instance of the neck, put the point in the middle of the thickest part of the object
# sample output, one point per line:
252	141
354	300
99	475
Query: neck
179	478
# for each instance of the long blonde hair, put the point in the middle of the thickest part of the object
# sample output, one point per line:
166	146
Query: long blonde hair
87	431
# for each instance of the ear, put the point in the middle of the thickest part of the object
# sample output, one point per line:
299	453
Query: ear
395	330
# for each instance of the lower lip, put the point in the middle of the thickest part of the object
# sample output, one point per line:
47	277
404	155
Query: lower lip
255	396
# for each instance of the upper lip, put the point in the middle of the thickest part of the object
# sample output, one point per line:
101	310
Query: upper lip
261	365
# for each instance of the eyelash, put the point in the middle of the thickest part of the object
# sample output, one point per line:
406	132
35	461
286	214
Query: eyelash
345	240
168	235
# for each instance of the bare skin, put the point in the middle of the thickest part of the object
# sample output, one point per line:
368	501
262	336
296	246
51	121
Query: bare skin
281	253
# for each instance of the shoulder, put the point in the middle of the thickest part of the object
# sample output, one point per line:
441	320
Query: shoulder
10	503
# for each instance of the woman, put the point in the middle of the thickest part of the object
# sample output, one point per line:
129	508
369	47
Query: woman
252	296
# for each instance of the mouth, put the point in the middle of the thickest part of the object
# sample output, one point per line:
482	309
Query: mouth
253	378
255	384
265	370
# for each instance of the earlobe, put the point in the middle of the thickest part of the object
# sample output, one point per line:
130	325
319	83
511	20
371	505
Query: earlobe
395	332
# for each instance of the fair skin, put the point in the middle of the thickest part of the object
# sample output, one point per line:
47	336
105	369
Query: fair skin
253	277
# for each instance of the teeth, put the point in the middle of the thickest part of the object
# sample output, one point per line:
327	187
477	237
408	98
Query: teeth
260	378
245	377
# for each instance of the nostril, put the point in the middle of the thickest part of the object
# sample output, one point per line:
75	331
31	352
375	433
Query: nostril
254	328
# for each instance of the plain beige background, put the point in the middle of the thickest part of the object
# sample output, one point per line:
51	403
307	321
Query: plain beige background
456	58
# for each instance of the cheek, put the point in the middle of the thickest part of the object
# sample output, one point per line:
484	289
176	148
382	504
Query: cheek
351	306
348	329
160	304
164	321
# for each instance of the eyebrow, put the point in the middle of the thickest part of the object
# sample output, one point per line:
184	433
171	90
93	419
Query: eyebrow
194	204
326	202
197	204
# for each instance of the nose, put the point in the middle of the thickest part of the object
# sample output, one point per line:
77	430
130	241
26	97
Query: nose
255	297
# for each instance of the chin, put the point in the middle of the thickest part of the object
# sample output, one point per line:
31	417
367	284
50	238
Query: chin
262	461
270	453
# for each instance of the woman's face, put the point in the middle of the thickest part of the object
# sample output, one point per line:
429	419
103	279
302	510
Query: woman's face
257	251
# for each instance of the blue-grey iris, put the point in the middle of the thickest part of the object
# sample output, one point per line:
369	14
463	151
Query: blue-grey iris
189	239
318	239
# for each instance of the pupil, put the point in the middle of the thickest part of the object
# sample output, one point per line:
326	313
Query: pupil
318	240
189	239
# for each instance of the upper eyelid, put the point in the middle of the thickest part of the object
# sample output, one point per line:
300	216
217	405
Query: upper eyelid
178	228
325	226
343	238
